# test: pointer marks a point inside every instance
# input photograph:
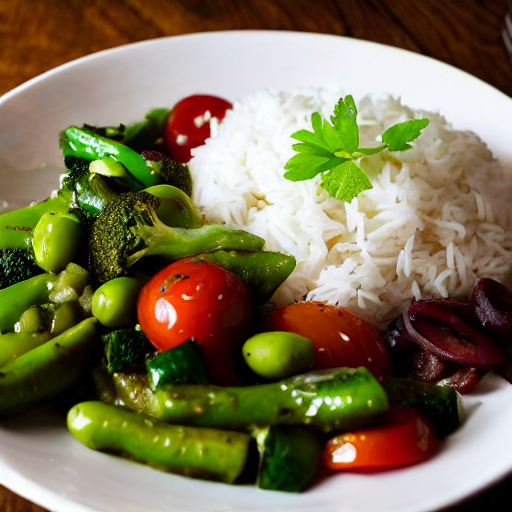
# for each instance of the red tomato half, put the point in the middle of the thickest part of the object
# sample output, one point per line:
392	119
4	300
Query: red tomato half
339	337
404	437
195	299
188	124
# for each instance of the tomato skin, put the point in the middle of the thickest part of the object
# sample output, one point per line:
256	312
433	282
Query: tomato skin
404	437
339	337
195	299
187	126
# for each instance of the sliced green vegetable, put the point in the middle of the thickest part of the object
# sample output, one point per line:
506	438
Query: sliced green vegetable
440	404
289	457
183	364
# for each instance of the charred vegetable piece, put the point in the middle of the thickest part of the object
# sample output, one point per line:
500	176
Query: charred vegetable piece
194	452
183	364
440	404
445	334
126	349
48	370
331	399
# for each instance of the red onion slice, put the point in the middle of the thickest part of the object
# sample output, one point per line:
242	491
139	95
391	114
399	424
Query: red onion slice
450	338
464	380
493	305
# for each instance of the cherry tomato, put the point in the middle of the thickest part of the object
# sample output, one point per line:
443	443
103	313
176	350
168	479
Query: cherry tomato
195	299
404	437
188	124
339	337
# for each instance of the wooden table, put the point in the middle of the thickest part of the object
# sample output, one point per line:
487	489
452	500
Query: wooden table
38	35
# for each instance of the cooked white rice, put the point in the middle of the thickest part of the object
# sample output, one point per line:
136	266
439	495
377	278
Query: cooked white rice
437	218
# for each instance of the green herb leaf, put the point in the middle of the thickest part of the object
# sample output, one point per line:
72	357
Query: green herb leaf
397	137
333	149
345	181
344	122
304	166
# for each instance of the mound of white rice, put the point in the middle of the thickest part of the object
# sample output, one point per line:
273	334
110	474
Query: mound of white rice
438	216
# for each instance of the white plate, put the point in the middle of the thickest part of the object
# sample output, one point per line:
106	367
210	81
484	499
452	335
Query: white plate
38	458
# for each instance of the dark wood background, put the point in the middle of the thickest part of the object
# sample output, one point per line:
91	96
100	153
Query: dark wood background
37	35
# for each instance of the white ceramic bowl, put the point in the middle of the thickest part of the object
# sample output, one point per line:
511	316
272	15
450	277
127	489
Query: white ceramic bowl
38	458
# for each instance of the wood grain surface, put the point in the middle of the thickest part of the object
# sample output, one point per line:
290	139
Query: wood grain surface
37	35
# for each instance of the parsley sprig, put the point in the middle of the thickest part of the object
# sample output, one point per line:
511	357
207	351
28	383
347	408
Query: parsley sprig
333	151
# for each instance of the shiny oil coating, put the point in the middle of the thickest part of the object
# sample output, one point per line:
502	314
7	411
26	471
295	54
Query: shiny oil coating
328	399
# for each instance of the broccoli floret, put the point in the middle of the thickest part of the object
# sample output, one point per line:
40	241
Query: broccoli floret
16	265
128	229
171	172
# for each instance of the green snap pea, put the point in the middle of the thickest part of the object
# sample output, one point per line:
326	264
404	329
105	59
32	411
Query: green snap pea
15	344
16	226
48	370
83	144
195	452
21	296
66	315
56	240
276	355
114	303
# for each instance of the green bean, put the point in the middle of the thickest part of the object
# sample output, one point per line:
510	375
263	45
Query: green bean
114	303
15	344
20	296
16	226
66	315
56	240
48	370
83	144
194	452
340	398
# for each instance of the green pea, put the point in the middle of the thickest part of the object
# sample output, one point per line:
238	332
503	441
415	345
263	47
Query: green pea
56	240
114	303
275	355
